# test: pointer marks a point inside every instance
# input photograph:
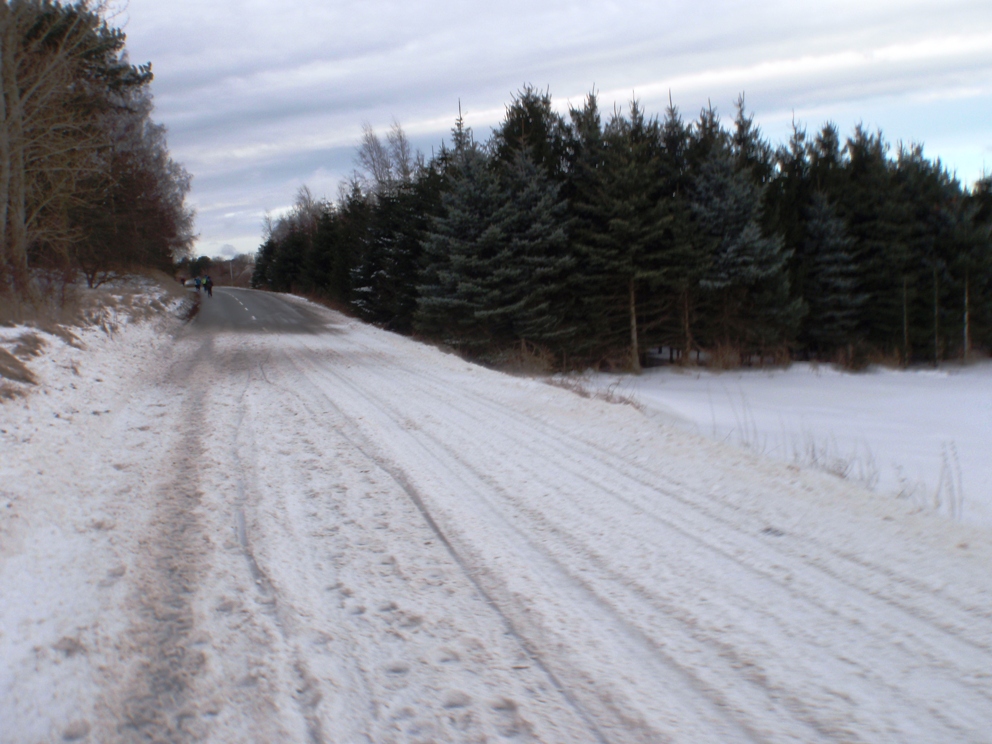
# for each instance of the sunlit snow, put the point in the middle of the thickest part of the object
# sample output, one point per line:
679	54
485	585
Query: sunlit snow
922	435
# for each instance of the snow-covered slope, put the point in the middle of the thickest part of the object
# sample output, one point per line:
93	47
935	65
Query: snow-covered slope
348	536
922	435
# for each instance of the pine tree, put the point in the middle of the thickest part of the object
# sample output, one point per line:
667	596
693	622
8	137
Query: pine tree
686	260
528	270
531	124
832	287
746	281
620	225
457	248
932	201
878	222
974	266
496	258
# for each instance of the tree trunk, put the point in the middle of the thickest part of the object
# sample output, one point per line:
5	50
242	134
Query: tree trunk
6	28
14	182
967	319
635	354
936	319
905	321
686	328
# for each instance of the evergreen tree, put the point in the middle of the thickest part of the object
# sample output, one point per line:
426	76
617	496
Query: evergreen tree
826	163
789	199
457	248
685	260
877	221
344	241
620	225
974	266
532	125
384	283
832	286
753	155
597	241
931	200
747	283
525	283
495	259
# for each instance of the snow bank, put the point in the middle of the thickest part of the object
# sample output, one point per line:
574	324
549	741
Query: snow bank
920	434
56	551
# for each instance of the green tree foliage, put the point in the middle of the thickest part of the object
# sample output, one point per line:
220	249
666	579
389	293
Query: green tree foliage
525	278
832	286
382	290
621	216
532	125
597	242
746	282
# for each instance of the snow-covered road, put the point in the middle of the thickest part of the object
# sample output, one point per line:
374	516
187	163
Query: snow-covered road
340	535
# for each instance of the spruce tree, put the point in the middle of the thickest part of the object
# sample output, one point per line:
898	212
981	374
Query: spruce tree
457	248
620	228
746	282
832	291
528	269
531	124
685	260
878	222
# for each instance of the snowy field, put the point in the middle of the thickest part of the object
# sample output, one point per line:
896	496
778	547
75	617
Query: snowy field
336	534
922	435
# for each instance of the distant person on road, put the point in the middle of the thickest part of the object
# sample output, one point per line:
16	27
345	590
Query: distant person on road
208	284
197	282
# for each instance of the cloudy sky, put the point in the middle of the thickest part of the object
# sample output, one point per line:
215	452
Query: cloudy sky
262	96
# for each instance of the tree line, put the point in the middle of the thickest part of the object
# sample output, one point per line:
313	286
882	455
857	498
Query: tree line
590	239
86	181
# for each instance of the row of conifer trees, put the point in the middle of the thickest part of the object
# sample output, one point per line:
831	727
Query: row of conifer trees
592	239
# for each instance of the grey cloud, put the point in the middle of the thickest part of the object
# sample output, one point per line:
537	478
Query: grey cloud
262	96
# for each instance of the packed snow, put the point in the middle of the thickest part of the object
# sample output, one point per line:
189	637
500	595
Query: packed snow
342	535
922	435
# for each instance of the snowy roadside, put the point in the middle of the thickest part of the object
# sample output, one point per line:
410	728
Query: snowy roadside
921	435
331	533
58	563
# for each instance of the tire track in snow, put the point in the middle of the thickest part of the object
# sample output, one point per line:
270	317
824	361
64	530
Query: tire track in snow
579	468
646	511
313	422
309	686
363	445
680	487
881	589
553	438
369	379
173	689
885	635
155	704
685	677
625	719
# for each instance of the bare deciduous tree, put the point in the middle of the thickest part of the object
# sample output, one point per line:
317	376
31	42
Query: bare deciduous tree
77	147
374	158
385	166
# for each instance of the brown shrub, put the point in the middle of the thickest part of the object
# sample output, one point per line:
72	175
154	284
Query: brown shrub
725	356
14	369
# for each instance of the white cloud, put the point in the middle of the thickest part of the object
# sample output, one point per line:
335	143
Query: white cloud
262	96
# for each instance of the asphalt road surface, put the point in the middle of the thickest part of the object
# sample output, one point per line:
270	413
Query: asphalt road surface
255	312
